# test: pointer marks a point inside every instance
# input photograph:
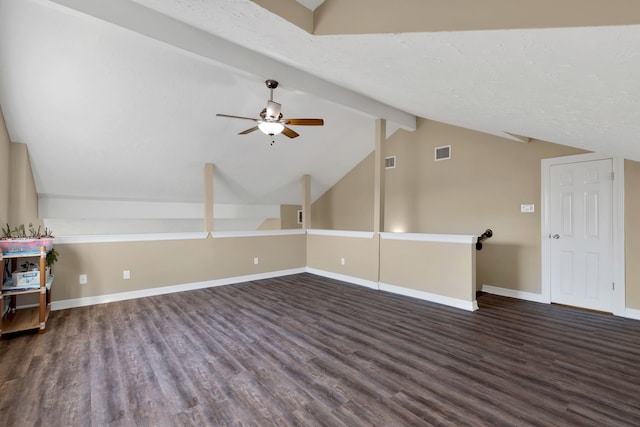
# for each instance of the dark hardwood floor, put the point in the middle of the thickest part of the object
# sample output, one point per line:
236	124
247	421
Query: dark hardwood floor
305	350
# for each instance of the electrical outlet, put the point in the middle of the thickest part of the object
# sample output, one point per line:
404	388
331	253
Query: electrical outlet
126	274
83	279
527	208
342	261
256	261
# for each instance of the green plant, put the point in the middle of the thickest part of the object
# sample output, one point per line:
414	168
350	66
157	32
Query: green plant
52	257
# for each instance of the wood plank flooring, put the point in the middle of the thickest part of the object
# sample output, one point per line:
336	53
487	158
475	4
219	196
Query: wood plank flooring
309	351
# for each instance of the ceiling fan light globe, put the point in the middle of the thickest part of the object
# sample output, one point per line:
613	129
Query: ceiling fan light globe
271	128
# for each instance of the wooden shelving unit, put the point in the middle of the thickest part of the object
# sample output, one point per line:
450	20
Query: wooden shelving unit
22	319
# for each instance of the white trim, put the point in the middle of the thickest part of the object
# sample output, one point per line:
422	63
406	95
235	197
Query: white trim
441	238
129	237
342	233
632	313
576	158
512	293
439	299
256	233
618	251
619	267
344	278
142	293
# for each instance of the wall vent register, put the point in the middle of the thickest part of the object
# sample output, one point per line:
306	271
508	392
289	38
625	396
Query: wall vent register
390	162
443	153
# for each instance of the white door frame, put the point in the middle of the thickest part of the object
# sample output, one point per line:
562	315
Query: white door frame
617	217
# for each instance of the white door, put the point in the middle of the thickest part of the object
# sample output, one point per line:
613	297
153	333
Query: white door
580	226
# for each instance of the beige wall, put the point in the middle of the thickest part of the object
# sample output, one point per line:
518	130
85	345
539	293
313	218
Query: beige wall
5	149
289	216
348	205
288	219
170	262
481	187
383	16
632	233
18	195
23	197
270	224
360	255
445	269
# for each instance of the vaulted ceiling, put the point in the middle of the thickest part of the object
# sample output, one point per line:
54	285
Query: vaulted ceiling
117	100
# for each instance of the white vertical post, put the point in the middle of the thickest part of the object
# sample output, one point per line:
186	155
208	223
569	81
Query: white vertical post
306	202
208	197
378	197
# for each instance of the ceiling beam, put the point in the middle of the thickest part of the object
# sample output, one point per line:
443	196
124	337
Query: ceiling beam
290	10
404	16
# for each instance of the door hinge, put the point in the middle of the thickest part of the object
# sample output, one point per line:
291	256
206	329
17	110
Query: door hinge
613	176
613	285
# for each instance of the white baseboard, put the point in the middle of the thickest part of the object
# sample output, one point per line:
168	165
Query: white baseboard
452	302
629	313
344	278
101	299
632	313
439	299
528	296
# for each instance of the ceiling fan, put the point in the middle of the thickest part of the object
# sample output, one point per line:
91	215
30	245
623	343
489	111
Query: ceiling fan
271	121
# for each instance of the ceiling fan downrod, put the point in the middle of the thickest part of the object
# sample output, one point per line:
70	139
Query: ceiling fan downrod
271	84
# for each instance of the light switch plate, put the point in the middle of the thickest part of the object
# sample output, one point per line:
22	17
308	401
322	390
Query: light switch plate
527	208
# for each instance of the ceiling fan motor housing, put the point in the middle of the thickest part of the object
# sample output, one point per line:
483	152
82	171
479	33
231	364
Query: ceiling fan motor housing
271	84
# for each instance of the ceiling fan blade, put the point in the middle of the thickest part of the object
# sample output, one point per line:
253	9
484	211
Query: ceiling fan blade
244	132
289	132
237	117
303	122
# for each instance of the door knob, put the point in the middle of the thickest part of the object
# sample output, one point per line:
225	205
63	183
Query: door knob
556	236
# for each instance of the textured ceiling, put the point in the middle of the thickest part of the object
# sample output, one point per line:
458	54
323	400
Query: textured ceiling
110	112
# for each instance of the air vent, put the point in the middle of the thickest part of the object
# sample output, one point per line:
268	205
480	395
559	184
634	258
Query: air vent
390	162
443	153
